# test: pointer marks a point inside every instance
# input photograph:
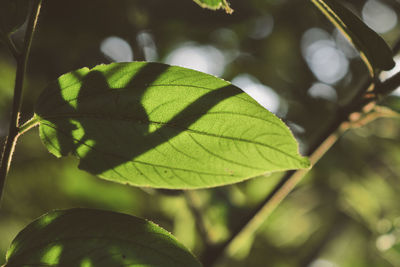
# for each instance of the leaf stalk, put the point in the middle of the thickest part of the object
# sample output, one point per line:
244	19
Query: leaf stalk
22	60
31	123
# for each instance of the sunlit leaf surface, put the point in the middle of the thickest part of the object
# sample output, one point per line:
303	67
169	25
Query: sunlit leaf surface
373	49
94	238
215	4
150	124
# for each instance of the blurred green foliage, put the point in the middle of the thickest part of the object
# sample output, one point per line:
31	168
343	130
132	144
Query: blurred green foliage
345	213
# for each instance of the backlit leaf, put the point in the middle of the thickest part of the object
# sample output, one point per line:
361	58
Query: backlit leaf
374	51
215	4
151	124
94	238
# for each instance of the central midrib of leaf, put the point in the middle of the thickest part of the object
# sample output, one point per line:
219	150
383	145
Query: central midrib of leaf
134	119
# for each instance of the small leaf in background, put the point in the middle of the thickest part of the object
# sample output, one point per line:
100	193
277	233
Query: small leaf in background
13	14
392	102
151	124
374	51
95	238
215	4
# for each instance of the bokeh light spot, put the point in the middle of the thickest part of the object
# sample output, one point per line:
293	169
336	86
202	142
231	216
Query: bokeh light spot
323	91
263	94
204	58
328	64
379	16
116	49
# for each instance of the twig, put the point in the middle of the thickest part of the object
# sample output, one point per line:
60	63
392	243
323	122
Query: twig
11	46
334	231
195	209
22	60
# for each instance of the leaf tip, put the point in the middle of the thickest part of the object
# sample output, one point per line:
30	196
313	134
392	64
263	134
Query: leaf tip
223	4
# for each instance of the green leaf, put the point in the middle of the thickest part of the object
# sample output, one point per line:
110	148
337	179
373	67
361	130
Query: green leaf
151	124
392	102
374	51
95	238
215	4
13	14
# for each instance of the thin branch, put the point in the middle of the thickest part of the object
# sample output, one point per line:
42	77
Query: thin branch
195	209
11	46
333	232
22	60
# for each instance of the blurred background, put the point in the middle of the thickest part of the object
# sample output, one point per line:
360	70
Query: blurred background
283	53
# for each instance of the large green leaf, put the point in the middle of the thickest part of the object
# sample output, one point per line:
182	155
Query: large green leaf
373	49
94	238
215	4
151	124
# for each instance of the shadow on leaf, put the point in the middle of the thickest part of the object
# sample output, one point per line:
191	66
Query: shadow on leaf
99	117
